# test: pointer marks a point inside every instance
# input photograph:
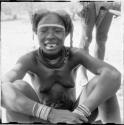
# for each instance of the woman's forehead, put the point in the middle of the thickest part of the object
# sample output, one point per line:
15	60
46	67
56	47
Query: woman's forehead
51	19
51	25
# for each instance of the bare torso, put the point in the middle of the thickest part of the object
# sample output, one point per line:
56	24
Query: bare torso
54	86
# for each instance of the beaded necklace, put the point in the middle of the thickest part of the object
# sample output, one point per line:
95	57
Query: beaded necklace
54	63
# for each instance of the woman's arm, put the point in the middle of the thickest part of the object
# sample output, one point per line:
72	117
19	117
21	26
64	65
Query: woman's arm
9	92
19	70
96	66
13	99
103	85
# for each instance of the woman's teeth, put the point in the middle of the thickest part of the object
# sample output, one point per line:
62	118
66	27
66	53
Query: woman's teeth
50	46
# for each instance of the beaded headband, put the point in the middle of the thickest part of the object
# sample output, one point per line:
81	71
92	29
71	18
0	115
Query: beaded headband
51	25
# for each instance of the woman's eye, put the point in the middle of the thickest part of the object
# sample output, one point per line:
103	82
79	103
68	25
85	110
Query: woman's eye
43	30
58	30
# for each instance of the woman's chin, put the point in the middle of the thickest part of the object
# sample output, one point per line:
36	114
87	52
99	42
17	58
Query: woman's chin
51	51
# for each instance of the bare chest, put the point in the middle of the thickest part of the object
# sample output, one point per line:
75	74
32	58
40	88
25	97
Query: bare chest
45	78
54	86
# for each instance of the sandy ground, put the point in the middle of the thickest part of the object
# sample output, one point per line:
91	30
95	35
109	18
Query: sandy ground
16	39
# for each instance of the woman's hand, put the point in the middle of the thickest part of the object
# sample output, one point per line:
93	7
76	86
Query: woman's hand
65	116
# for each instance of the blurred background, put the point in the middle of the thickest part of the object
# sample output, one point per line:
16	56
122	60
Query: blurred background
17	37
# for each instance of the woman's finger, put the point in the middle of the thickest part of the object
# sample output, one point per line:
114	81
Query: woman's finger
83	118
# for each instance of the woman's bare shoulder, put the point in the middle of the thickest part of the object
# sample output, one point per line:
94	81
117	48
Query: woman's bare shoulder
28	57
76	54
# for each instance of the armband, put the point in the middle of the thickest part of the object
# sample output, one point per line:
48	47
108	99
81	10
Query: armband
82	110
41	111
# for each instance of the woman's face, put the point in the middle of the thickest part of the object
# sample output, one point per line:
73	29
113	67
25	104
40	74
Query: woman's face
51	34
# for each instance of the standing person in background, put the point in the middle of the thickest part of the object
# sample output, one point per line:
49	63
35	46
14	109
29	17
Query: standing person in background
98	14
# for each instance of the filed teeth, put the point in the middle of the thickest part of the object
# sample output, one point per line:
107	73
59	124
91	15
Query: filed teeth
50	46
46	42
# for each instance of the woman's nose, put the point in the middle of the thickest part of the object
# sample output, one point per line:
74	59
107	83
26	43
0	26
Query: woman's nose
50	34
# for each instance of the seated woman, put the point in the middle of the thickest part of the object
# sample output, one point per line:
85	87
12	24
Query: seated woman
52	97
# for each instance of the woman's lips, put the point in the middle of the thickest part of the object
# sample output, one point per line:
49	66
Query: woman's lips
50	45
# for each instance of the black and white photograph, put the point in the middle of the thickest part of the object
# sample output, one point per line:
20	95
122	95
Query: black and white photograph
62	62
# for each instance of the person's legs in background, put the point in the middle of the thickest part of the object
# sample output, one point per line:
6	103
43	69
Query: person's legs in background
88	17
102	29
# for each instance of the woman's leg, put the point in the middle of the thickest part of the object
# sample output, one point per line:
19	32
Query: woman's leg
82	98
98	94
109	111
28	91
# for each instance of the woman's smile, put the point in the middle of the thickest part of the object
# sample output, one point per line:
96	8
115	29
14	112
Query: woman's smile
50	45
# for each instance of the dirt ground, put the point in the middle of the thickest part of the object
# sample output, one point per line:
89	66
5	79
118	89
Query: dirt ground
16	38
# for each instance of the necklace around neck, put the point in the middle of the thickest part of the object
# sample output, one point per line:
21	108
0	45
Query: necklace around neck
54	63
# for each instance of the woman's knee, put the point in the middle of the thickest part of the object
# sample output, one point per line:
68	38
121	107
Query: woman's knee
26	89
29	92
